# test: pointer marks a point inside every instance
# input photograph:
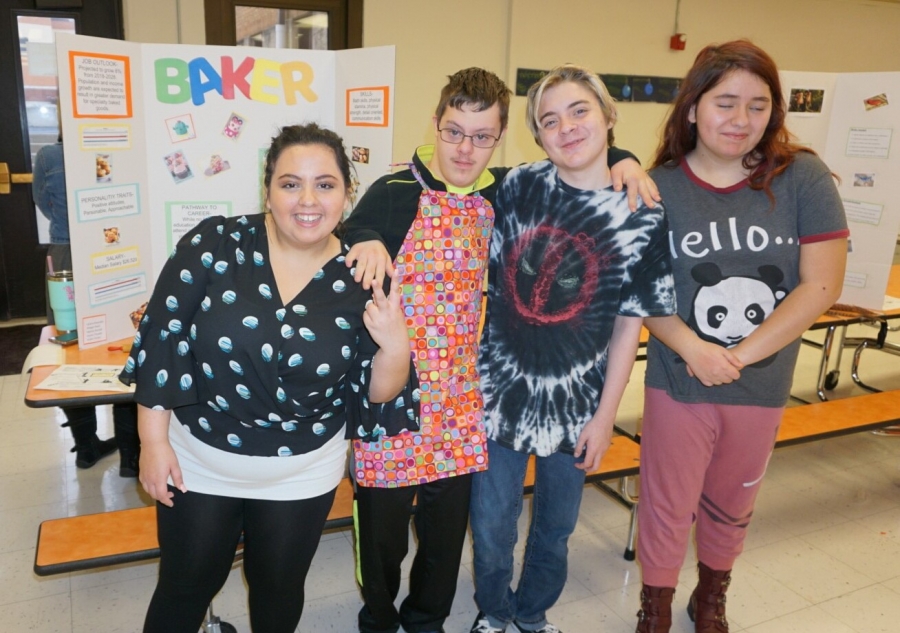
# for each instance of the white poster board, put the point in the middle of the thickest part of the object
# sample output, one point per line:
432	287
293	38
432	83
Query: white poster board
854	128
159	137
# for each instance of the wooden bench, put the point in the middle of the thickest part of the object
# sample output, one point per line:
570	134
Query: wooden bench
834	418
123	536
93	541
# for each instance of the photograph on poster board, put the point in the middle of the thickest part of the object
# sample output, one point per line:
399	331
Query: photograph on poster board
111	235
103	164
864	180
216	165
233	126
178	167
138	314
806	100
181	128
878	101
360	154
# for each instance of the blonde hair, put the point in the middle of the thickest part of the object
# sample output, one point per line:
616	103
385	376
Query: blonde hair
575	74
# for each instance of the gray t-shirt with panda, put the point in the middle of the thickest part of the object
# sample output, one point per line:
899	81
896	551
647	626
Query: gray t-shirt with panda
735	258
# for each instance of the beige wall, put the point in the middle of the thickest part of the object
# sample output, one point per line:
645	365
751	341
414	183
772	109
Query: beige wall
434	39
160	21
611	36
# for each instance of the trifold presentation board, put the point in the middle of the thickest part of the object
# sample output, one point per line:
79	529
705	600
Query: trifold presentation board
158	137
849	119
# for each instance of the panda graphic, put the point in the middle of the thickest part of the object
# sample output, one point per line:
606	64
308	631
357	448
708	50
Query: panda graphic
726	310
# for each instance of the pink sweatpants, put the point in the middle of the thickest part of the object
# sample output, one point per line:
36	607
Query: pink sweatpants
703	463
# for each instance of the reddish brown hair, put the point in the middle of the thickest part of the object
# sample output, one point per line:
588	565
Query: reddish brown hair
776	149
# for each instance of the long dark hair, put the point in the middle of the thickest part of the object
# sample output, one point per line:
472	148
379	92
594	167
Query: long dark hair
775	150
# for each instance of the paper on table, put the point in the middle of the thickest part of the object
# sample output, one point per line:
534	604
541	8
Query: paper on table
891	303
46	354
84	378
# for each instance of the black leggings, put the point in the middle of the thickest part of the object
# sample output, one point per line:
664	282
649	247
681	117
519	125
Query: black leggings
198	538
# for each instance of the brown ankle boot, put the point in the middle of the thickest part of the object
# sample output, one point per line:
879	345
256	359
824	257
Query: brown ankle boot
707	605
655	615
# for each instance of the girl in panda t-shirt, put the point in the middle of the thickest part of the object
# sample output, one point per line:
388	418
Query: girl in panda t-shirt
758	241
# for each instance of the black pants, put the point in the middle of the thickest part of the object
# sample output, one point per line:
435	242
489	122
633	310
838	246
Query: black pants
82	421
197	539
442	514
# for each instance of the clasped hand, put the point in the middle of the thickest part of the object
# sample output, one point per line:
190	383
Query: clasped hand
713	364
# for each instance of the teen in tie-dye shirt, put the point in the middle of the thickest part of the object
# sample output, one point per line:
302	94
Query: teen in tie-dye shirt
572	273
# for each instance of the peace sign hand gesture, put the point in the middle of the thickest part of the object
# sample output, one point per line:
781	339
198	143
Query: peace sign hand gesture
384	319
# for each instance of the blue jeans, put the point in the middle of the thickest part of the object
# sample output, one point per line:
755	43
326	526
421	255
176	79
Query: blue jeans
495	509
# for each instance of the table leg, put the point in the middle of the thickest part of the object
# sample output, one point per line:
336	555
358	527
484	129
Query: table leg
827	344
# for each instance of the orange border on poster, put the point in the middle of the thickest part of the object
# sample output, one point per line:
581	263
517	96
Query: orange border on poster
121	58
386	90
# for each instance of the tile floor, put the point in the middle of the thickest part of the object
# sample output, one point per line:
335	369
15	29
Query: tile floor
823	553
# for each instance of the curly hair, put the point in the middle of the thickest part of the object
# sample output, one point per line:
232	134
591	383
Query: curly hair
477	87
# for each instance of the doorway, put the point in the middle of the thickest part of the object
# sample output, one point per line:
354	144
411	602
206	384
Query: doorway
28	101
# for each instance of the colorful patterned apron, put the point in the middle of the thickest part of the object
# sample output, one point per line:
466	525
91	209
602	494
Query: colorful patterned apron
442	265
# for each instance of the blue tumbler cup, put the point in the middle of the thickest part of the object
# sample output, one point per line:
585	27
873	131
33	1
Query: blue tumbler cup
61	291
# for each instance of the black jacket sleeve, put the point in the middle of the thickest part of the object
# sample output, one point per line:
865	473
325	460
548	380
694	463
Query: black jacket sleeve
616	154
385	212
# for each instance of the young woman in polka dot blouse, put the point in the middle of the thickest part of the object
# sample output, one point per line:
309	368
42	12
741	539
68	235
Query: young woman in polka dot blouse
255	353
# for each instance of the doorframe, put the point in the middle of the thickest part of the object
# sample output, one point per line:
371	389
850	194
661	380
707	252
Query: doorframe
16	292
20	79
348	14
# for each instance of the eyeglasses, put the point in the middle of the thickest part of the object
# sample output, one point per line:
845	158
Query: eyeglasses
480	140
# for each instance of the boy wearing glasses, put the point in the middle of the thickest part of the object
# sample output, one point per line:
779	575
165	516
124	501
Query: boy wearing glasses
435	220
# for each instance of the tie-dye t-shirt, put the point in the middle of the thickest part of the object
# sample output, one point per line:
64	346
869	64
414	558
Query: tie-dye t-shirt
244	372
564	263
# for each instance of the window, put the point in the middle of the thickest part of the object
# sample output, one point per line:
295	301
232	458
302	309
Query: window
306	24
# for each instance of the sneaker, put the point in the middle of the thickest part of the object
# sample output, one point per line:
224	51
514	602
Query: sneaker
482	625
547	628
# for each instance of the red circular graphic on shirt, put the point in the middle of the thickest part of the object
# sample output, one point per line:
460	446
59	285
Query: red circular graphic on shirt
552	275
